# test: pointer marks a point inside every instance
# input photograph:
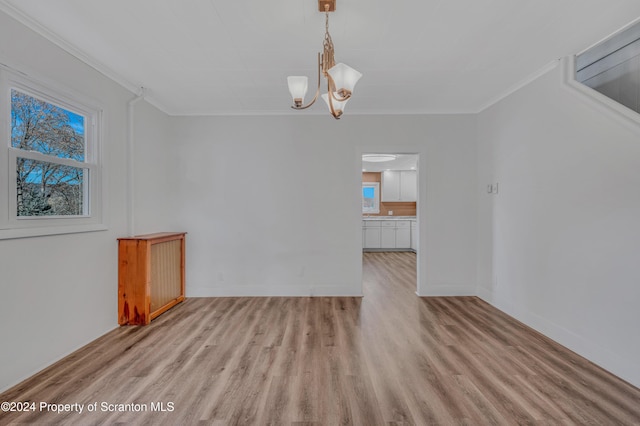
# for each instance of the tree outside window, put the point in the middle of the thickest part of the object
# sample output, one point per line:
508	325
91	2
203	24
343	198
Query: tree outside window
53	183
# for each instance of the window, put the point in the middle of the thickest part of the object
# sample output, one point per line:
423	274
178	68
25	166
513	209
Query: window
612	67
49	163
370	197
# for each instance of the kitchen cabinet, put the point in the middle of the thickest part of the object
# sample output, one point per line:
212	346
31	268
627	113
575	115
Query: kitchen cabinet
371	234
403	234
386	234
399	185
390	186
408	185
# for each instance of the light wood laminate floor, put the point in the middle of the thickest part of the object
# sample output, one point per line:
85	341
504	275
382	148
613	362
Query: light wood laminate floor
389	358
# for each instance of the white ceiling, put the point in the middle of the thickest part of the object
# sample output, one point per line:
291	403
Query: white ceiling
233	56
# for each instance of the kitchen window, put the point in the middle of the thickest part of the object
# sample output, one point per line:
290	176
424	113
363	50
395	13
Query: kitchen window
50	174
370	197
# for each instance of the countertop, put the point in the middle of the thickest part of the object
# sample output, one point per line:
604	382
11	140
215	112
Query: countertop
388	218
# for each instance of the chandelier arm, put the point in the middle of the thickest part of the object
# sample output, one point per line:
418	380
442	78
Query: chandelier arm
317	90
339	99
335	114
334	94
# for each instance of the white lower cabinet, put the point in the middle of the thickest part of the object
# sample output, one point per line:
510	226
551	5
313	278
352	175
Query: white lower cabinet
387	237
403	234
386	234
371	234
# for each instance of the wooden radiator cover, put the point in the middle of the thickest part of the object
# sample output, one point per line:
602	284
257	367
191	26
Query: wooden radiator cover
151	276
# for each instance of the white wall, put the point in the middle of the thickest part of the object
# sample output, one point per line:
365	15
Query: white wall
272	204
60	292
155	174
564	230
272	207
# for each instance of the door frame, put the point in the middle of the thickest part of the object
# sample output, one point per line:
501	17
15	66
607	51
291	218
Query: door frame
420	152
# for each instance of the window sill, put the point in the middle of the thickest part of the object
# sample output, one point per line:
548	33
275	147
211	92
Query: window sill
9	234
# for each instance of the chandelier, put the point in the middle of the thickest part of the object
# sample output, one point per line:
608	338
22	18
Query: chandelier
341	78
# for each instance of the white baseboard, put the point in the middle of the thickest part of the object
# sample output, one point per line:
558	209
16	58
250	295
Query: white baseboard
626	369
447	290
484	294
275	291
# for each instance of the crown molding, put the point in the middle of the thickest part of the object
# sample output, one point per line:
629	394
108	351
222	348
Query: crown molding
519	85
54	38
134	88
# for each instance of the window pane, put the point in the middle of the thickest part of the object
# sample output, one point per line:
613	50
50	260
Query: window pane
39	126
368	192
371	197
48	189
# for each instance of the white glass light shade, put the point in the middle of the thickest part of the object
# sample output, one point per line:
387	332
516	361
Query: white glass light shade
297	86
337	105
344	76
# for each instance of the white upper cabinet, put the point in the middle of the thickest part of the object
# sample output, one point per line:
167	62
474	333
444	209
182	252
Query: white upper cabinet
408	185
399	185
390	186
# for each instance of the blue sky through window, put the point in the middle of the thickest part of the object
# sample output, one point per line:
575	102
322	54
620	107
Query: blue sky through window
37	125
368	192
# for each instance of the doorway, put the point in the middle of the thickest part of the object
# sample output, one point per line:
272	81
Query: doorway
390	219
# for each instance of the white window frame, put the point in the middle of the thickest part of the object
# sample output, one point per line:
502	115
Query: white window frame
13	226
376	203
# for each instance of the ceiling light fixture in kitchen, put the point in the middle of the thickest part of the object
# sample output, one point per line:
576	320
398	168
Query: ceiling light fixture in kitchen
341	78
378	158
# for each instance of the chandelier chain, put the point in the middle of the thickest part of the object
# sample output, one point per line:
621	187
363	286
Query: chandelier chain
326	21
328	60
